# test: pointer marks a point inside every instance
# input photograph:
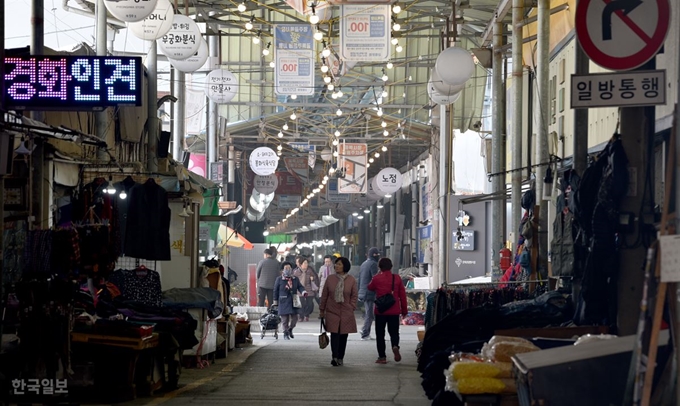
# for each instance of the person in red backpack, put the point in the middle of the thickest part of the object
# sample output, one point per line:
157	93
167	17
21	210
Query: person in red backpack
382	284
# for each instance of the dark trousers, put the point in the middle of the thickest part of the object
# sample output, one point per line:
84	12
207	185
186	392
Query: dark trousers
338	345
392	323
262	293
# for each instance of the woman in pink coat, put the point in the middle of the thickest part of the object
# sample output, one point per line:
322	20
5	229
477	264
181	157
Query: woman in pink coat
338	302
383	283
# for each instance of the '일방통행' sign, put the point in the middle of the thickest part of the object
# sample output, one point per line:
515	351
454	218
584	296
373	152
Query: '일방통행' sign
72	82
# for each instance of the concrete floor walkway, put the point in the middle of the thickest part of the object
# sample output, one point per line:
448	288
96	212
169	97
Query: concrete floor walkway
295	372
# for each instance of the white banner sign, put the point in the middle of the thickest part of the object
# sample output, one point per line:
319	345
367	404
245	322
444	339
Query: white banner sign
156	24
365	33
221	86
388	180
130	10
183	39
352	160
636	88
263	161
294	56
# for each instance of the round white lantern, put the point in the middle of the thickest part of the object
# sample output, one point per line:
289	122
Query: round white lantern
455	66
221	86
440	99
194	62
183	39
156	24
442	87
253	215
130	10
373	190
263	161
326	154
266	184
388	180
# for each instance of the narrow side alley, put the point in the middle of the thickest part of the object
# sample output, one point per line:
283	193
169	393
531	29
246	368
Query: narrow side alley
287	372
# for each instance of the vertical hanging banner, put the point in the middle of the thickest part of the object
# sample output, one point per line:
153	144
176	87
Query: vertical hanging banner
365	32
294	58
352	159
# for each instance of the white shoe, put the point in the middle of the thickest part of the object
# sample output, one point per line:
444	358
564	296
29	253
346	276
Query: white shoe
369	338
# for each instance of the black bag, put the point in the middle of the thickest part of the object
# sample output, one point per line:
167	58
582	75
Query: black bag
384	302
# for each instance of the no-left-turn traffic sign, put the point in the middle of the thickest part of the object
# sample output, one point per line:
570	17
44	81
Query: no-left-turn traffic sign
622	34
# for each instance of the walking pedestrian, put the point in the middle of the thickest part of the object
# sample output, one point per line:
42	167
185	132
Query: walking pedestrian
368	270
385	283
285	287
325	270
268	270
338	303
308	279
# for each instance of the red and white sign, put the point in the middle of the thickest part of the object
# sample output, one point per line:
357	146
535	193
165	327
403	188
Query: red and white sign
622	34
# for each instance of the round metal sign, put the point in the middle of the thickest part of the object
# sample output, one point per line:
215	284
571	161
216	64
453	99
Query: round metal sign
130	10
156	24
183	39
388	180
622	35
221	86
263	161
266	184
194	62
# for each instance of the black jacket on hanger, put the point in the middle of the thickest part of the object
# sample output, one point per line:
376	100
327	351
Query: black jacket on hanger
147	233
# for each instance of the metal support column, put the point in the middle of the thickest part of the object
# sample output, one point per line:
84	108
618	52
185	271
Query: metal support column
213	115
101	117
178	117
152	120
580	142
543	111
2	178
497	182
517	106
38	156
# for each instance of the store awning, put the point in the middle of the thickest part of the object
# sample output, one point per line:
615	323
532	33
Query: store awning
231	238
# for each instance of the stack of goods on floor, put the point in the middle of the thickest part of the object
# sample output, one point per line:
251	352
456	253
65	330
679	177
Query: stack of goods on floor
489	372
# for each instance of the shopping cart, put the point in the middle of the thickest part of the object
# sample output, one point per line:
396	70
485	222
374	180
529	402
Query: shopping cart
270	321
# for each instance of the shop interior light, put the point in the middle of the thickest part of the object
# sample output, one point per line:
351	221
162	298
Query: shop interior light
110	189
387	196
122	194
335	154
334	95
385	78
314	19
355	214
256	39
340	93
360	217
367	210
379	205
368	165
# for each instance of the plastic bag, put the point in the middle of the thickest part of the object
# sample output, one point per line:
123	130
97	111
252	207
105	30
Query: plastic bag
504	351
507	339
465	356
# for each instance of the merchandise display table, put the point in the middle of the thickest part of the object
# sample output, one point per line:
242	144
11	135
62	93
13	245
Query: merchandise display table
117	363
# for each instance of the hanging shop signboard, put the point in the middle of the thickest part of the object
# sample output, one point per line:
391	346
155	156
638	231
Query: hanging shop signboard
388	180
266	184
72	82
183	39
221	86
156	24
332	195
424	244
194	62
622	34
464	242
263	161
352	161
294	59
635	88
317	206
425	203
365	32
130	10
289	202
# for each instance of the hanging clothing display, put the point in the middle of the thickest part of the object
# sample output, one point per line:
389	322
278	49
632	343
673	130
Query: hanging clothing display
126	186
147	231
139	285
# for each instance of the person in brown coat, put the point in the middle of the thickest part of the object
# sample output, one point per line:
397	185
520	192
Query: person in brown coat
338	303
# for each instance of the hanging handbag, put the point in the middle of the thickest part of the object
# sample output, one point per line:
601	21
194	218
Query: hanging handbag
297	303
386	301
323	336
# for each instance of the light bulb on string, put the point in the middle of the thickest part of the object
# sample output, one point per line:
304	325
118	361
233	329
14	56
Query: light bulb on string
385	94
399	48
339	112
279	147
293	96
335	154
379	113
396	9
256	39
395	40
122	194
390	65
371	160
293	116
386	133
383	124
249	24
331	86
265	51
272	64
385	78
280	134
285	127
327	79
377	155
384	148
334	95
324	68
335	143
340	94
318	35
337	133
326	52
396	27
278	153
314	19
368	165
241	7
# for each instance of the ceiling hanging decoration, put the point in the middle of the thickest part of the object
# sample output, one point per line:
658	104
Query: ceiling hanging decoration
194	62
